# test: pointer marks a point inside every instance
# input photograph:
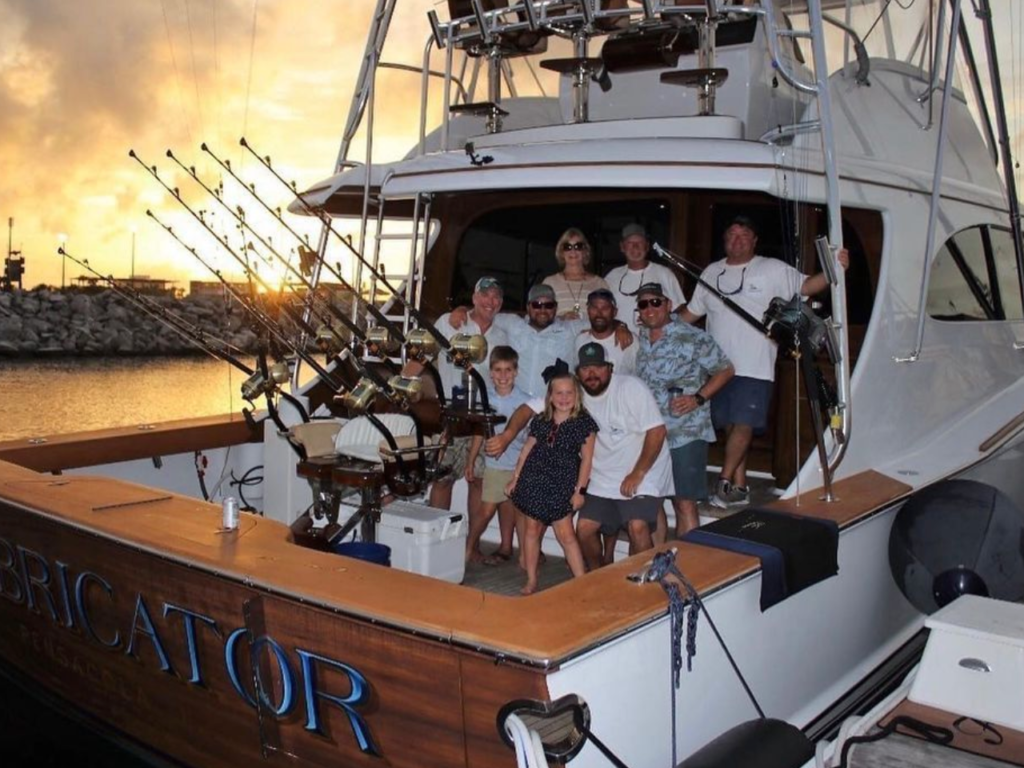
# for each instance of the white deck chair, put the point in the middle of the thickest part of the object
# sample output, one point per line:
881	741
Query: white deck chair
360	438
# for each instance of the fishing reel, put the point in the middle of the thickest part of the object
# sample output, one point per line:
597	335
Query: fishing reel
421	346
467	349
329	340
380	343
795	327
360	397
408	388
257	384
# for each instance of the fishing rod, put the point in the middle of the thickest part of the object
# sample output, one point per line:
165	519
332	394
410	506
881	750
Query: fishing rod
380	346
252	387
376	346
188	331
370	381
257	313
800	333
378	315
459	353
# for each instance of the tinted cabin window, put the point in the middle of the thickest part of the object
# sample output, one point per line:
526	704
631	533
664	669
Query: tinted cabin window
959	287
974	277
1006	272
517	245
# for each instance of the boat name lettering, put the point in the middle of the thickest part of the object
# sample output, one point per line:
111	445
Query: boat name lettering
74	603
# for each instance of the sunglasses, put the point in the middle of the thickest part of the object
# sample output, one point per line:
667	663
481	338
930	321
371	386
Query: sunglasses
543	304
574	246
645	303
718	283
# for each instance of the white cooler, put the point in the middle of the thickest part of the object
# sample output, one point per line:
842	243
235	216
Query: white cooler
425	539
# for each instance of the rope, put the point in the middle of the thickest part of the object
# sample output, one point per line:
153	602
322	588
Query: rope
529	750
667	573
931	733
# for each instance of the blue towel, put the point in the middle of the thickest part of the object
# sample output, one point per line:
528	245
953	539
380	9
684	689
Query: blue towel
795	551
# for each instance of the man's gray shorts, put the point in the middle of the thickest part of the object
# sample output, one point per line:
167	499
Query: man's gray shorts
612	514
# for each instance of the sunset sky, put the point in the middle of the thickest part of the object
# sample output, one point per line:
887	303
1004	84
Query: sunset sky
82	83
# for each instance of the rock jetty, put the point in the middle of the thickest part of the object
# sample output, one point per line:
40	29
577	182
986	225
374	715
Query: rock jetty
50	322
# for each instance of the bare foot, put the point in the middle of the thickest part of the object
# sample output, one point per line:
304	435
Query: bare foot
528	589
498	558
476	556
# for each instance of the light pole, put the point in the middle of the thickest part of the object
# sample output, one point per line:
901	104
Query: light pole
63	240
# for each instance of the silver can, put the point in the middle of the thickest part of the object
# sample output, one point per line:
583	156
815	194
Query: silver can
229	512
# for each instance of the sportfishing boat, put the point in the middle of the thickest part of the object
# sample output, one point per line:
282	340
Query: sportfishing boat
135	594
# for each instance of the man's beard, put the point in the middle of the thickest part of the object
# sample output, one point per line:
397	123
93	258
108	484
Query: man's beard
599	389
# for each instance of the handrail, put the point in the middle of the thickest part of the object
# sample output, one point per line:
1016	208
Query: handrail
933	208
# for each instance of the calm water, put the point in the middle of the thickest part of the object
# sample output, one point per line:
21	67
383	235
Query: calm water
42	397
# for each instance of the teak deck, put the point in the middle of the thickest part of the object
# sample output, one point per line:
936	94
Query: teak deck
184	529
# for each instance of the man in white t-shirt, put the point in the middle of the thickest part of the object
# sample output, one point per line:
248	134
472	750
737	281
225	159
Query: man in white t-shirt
626	280
602	310
632	472
751	281
631	475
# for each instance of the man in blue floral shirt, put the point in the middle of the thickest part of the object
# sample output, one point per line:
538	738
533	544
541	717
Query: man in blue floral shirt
684	368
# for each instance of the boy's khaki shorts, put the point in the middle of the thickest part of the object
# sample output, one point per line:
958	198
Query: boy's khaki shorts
495	481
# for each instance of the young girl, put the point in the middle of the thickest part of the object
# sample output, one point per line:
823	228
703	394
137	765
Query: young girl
552	472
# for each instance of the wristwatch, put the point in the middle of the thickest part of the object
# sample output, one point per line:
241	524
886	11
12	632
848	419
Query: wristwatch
700	398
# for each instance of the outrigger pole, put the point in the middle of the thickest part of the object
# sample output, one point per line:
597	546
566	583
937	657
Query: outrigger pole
983	10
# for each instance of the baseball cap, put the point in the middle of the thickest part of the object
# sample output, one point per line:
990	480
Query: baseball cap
541	291
487	283
633	229
651	289
592	354
602	294
744	221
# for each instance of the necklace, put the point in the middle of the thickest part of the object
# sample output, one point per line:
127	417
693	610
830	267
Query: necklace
575	295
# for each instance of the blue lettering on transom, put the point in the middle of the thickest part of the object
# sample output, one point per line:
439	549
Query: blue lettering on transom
38	582
10	581
188	618
85	578
359	695
146	628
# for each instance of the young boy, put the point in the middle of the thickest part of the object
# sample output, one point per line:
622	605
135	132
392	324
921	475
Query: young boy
504	397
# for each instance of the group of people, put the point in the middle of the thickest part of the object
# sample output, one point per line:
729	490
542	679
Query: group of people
622	394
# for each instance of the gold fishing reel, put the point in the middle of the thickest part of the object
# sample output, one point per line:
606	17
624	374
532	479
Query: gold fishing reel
408	388
420	345
360	397
467	349
380	342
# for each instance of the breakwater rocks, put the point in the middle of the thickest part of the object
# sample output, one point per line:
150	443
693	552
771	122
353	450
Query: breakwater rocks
44	322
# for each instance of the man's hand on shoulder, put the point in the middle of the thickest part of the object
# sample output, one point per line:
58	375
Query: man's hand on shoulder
623	336
458	317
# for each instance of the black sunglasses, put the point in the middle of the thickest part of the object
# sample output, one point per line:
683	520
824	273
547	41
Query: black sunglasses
543	304
718	283
574	246
645	303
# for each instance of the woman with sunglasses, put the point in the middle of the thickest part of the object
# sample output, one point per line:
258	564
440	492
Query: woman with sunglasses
573	283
